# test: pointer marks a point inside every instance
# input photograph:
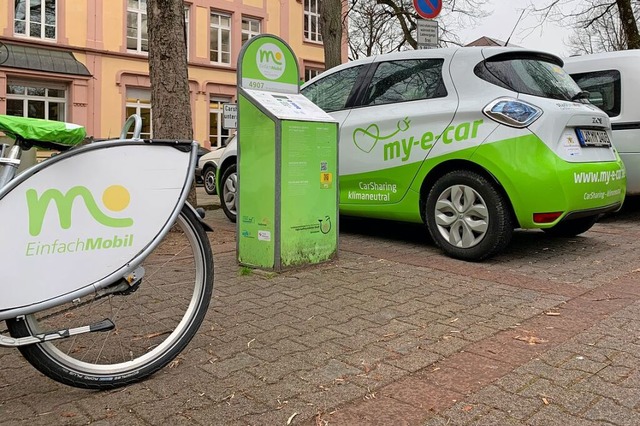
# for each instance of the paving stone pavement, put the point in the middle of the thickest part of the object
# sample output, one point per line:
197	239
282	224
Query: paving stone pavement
391	333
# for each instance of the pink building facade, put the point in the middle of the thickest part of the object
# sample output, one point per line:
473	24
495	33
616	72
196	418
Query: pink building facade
85	61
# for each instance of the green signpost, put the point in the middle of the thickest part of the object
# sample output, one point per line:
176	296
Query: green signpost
287	163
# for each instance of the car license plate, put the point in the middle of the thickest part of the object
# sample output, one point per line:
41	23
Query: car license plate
593	138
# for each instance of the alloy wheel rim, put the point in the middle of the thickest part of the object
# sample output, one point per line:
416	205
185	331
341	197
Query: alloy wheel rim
210	181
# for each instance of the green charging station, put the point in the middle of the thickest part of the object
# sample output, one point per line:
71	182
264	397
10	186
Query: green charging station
287	163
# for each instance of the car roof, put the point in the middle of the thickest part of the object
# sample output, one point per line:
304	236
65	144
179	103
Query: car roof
476	53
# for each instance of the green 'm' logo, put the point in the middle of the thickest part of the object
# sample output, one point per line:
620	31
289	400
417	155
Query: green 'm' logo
270	60
270	56
114	198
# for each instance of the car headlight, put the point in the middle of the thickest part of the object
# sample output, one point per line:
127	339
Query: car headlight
512	112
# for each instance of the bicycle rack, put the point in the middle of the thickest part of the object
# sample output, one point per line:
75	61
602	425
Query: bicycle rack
134	120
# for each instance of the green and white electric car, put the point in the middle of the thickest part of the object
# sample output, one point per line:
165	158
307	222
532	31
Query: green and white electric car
474	142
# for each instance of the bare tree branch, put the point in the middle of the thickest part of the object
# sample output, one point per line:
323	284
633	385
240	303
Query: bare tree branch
599	25
403	18
605	12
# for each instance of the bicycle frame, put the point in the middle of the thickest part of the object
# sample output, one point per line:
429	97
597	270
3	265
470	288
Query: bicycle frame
56	255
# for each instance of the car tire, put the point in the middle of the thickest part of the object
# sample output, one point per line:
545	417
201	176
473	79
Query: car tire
573	227
467	216
229	192
209	180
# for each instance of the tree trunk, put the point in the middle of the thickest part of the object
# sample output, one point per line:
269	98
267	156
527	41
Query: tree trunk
629	24
170	99
331	30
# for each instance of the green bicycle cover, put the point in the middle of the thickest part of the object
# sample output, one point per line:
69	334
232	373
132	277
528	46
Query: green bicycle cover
36	129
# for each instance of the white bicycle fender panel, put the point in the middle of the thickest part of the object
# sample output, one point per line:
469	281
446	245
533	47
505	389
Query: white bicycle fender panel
76	221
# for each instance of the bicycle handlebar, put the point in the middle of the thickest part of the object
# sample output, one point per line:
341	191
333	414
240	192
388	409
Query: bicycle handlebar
134	119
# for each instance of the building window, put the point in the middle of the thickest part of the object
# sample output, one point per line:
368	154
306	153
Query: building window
137	38
35	18
220	38
217	134
250	28
309	73
312	20
139	102
37	100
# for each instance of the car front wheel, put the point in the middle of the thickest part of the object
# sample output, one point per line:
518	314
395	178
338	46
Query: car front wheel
209	178
467	216
229	192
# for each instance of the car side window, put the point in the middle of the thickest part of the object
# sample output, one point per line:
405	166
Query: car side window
408	80
332	92
603	88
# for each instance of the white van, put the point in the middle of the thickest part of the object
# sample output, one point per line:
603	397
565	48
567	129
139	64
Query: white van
613	82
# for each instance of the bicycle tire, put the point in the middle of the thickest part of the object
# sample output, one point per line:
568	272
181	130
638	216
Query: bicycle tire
153	324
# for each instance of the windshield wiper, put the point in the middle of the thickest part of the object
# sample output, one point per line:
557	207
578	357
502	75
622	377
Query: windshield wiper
583	94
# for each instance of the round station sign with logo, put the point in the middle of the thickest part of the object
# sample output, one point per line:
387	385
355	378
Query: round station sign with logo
428	9
267	63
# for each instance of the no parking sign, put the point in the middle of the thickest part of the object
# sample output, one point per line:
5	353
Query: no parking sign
428	9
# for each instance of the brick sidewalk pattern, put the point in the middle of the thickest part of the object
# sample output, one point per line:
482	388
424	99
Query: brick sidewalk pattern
391	333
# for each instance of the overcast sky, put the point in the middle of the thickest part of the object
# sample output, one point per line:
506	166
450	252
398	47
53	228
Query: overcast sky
503	18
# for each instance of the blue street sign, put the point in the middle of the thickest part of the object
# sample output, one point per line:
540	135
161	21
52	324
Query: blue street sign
428	9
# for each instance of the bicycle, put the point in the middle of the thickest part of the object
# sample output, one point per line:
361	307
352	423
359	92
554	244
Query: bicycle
107	271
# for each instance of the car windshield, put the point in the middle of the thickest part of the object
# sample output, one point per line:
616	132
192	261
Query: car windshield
533	75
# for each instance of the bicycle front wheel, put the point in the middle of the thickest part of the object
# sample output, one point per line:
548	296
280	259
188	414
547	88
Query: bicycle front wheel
154	323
